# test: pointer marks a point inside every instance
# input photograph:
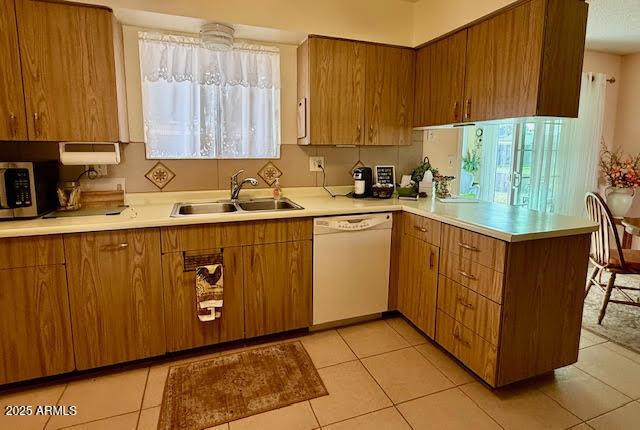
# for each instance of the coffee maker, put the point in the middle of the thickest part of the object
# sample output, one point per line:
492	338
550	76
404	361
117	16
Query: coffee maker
363	182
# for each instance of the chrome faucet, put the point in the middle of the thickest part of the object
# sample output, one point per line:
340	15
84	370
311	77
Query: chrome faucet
236	187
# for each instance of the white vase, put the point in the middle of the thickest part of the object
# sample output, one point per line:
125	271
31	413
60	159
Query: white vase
619	200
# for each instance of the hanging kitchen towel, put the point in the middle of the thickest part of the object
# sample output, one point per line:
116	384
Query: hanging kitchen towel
209	292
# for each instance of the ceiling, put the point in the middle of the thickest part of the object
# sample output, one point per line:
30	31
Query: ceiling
614	26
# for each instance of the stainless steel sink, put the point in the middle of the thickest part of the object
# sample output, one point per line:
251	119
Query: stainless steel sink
268	205
255	205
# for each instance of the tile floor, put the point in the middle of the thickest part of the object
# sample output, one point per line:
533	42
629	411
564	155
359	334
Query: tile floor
380	375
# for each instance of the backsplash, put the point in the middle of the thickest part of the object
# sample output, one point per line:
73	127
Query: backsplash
193	175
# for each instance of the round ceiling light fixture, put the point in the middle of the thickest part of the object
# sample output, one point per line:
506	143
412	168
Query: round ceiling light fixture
216	36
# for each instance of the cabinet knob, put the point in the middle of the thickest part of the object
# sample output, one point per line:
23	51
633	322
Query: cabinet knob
460	339
455	110
466	275
467	114
420	229
432	259
464	303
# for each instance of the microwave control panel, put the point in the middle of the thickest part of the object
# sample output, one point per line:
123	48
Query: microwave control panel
18	188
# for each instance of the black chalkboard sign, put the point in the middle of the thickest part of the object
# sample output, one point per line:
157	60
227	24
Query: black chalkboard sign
386	175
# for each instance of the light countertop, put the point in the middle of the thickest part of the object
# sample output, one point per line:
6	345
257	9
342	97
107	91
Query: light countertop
153	210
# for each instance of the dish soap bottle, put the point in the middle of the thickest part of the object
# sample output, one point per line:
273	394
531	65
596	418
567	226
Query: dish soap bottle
277	191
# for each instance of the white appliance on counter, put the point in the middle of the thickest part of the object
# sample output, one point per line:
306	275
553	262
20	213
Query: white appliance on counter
351	256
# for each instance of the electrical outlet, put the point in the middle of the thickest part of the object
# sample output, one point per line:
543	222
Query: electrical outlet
315	164
100	169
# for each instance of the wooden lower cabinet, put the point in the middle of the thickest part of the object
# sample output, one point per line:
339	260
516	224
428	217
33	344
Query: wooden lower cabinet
277	287
115	289
418	283
184	329
35	328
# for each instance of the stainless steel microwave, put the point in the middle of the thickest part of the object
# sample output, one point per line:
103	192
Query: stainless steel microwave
27	189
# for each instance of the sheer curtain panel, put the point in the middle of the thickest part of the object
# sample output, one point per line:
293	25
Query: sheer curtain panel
201	103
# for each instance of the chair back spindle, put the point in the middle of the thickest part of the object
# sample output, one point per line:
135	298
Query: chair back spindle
598	212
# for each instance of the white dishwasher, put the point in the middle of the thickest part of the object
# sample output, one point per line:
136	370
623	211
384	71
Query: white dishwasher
350	266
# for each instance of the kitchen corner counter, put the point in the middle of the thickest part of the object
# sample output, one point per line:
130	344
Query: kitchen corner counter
153	210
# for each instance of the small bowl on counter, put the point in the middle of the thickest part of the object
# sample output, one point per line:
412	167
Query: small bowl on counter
382	191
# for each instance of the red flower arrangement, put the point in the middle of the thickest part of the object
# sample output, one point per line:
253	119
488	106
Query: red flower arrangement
619	170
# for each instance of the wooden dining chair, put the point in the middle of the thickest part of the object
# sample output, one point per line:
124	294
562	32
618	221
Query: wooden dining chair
616	261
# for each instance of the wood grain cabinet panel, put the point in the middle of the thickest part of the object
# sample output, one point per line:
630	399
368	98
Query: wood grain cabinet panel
440	74
184	329
476	247
115	290
478	278
422	228
480	315
221	235
68	71
277	287
389	96
13	123
418	283
35	326
475	352
31	251
336	91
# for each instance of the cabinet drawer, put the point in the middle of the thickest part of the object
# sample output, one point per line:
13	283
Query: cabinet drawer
476	313
478	248
476	353
31	251
422	228
483	280
222	235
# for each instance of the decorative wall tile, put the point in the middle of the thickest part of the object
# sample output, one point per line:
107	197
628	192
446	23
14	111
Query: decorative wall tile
269	173
160	175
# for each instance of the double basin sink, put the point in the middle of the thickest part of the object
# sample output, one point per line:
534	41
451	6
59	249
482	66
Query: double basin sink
227	206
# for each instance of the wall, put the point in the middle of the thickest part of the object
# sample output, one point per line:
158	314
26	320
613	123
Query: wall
387	21
610	65
627	121
433	18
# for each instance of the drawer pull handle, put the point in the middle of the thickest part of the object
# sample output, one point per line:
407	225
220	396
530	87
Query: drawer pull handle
116	247
468	247
465	303
432	258
421	229
461	340
466	275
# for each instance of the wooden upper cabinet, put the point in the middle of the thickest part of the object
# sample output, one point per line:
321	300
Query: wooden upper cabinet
115	290
68	71
439	86
13	124
334	90
389	90
526	61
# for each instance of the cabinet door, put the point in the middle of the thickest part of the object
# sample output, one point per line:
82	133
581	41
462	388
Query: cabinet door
13	125
184	329
277	287
440	72
503	64
337	87
68	71
389	95
35	327
115	286
418	285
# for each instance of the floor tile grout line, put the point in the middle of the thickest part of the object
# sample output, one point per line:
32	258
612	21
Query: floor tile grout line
314	412
400	334
559	404
435	366
64	389
403	417
601	380
96	420
608	412
144	392
480	407
356	416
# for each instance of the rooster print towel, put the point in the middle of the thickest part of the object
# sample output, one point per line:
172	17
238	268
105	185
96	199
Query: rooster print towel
209	292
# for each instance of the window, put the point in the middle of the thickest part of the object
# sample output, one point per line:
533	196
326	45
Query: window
201	103
516	162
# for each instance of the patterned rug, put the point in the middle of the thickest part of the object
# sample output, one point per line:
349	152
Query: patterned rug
621	323
210	392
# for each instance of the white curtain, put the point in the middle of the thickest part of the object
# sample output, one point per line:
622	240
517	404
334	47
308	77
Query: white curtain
488	162
559	181
201	103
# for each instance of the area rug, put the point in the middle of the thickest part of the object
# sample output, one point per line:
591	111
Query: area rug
621	323
210	392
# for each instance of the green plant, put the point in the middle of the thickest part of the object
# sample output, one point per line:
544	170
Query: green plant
471	161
